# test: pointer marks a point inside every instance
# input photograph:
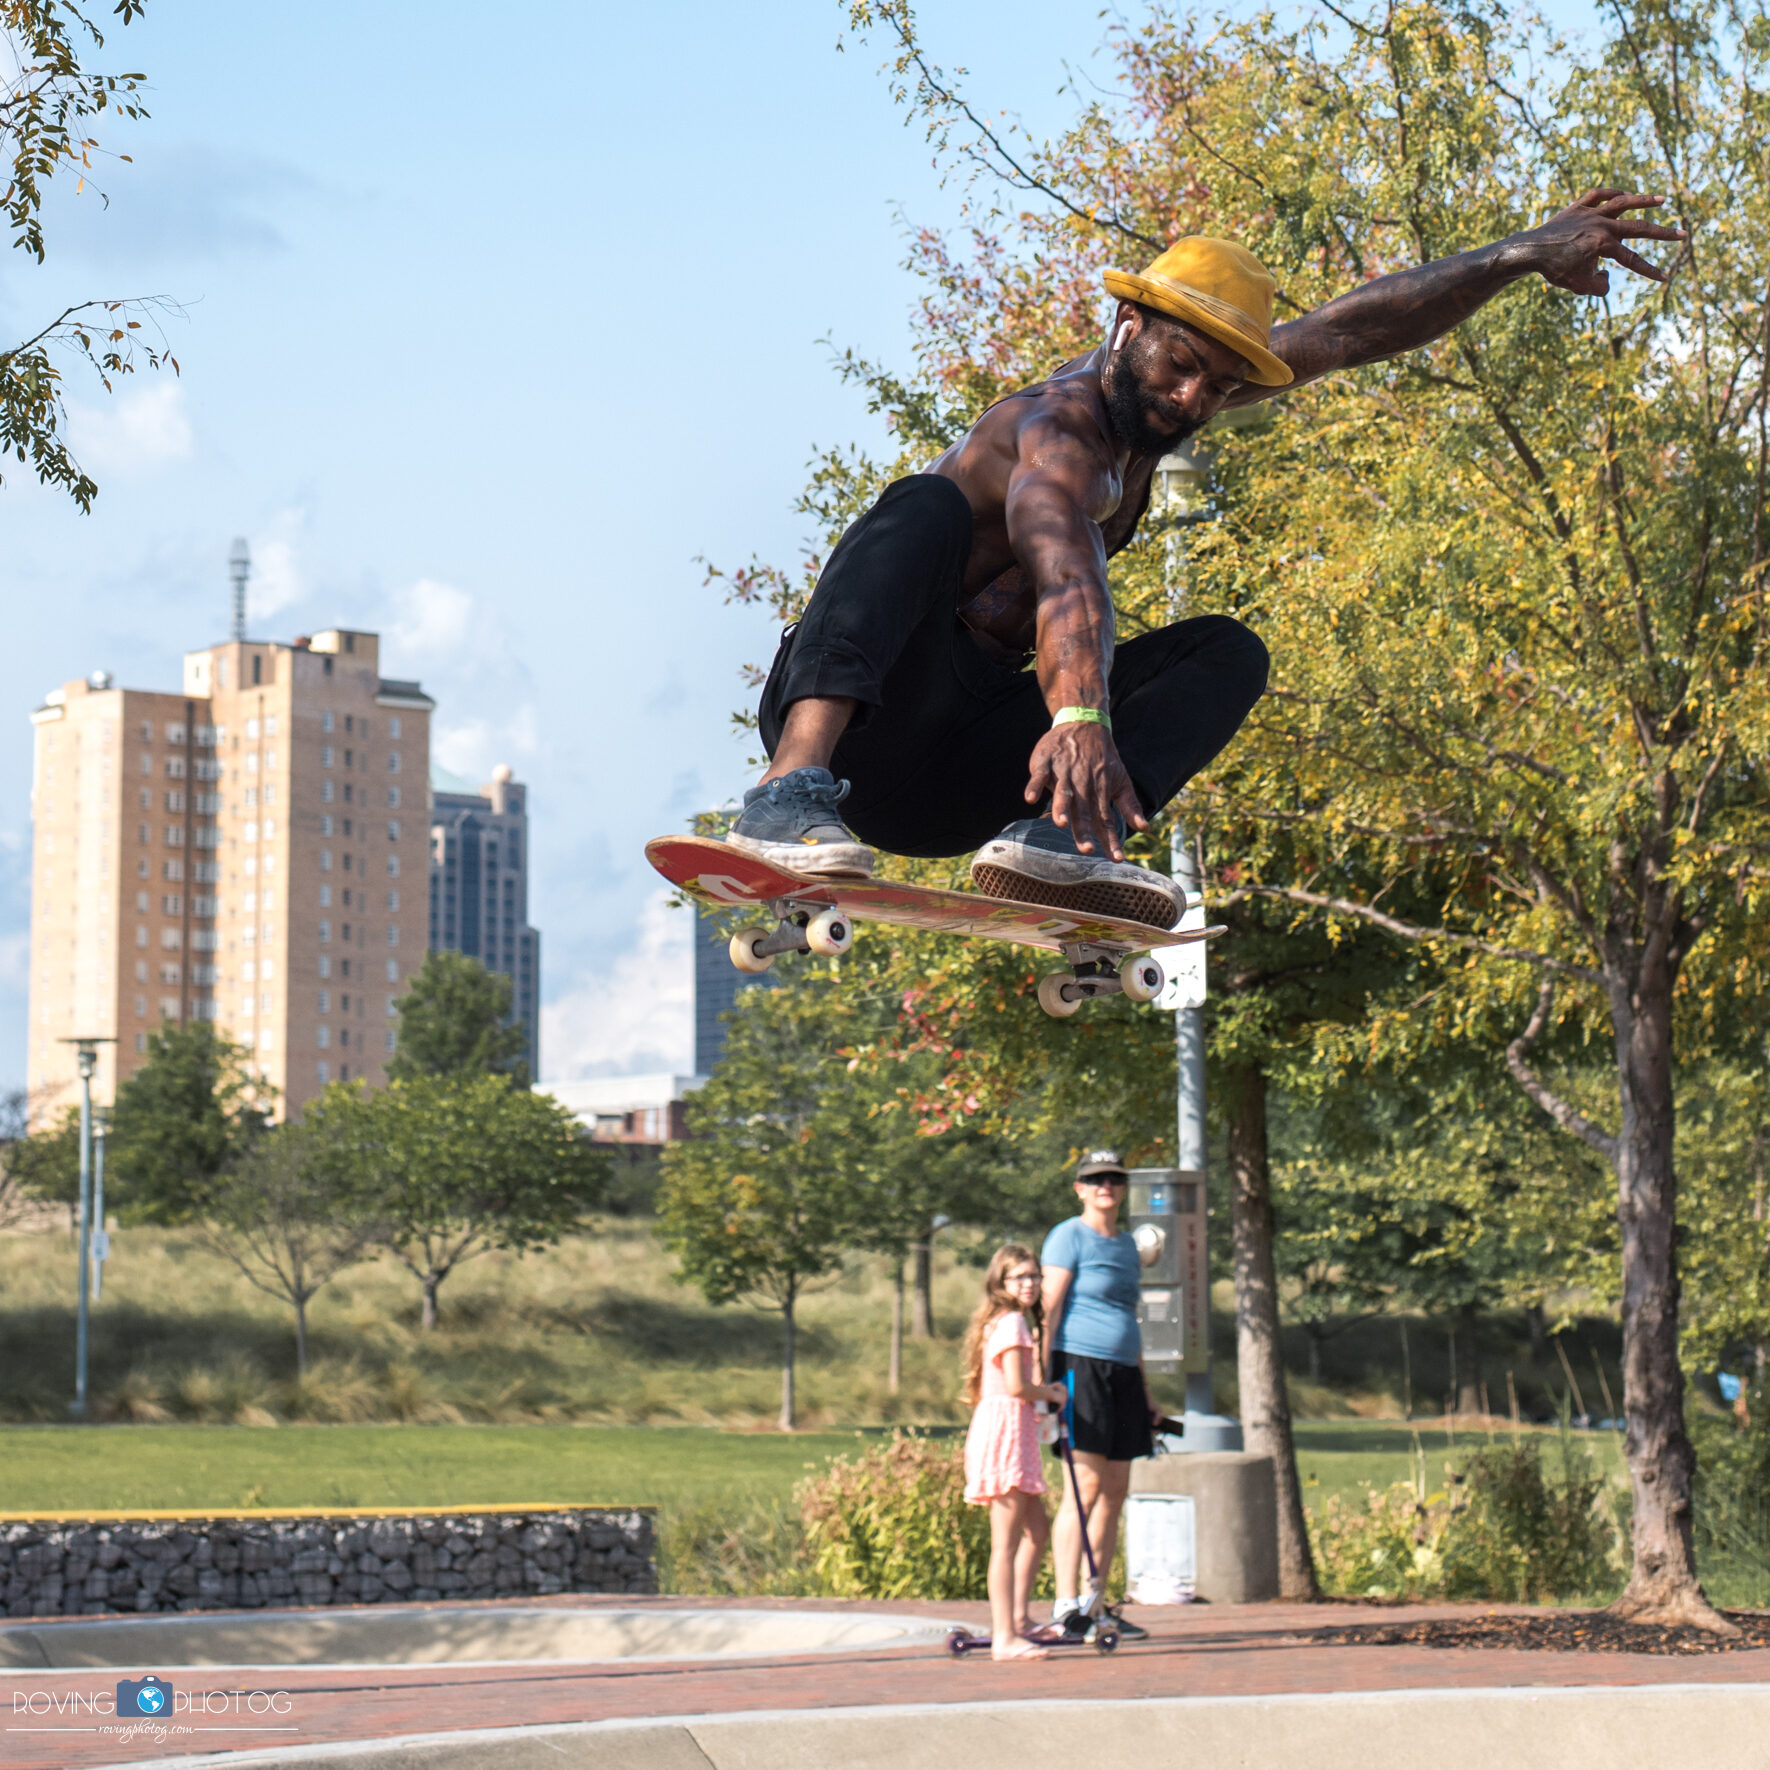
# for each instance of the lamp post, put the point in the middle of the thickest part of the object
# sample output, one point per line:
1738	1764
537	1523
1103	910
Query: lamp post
101	1239
1179	498
86	1056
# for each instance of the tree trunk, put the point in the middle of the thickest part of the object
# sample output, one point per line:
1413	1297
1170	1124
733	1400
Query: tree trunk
1538	1325
427	1319
1468	1364
1663	1587
788	1326
1259	1354
1407	1374
922	1311
1313	1330
301	1336
896	1375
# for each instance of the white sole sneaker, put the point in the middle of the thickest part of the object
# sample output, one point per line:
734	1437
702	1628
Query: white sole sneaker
1088	886
846	860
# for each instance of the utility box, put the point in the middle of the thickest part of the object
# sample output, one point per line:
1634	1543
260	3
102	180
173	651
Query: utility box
1234	1521
1168	1223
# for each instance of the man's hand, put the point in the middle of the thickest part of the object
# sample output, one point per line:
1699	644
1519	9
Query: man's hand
1078	765
1569	248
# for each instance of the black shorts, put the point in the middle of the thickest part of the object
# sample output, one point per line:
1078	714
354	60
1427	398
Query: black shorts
1112	1410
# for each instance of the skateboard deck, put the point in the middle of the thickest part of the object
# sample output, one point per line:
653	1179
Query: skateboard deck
716	873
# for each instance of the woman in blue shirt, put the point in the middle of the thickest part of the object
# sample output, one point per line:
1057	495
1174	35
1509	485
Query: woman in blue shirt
1090	1272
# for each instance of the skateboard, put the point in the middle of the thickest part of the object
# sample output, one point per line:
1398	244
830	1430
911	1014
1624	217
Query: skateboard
1105	955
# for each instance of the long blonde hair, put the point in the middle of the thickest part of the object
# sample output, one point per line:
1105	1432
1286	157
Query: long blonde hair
997	1302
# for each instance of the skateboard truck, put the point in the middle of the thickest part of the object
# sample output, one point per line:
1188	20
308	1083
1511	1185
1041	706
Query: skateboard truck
800	928
1099	971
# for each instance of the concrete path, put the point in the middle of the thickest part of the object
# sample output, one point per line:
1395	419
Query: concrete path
1243	1654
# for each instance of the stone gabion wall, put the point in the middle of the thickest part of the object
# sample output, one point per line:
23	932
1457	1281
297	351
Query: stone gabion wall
94	1568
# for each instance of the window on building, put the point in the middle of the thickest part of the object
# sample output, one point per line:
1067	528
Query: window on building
393	796
175	734
169	974
347	753
393	761
325	897
324	1037
325	756
171	939
171	904
325	1001
393	900
141	936
325	932
392	1039
393	936
325	792
325	722
393	970
173	870
140	1014
175	801
175	835
349	793
393	727
325	965
251	729
393	831
325	860
325	826
175	768
393	866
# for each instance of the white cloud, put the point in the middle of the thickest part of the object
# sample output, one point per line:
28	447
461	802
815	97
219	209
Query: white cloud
637	1016
277	579
474	747
432	619
138	431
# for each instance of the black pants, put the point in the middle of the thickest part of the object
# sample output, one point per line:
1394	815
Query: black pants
940	741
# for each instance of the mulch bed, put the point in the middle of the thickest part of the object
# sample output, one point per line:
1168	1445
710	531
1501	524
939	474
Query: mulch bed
1564	1631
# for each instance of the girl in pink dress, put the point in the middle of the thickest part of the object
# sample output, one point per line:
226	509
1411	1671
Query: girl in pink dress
1002	1369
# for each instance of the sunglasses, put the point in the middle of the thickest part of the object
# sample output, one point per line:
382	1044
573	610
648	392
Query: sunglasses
1104	1180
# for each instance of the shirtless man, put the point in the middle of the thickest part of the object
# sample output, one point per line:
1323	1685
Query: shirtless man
907	673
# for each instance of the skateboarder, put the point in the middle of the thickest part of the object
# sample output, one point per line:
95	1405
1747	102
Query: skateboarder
908	672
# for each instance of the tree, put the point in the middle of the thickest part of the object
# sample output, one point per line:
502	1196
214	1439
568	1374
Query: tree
1513	583
755	1201
185	1118
292	1215
452	1167
1516	590
43	1165
45	108
455	1021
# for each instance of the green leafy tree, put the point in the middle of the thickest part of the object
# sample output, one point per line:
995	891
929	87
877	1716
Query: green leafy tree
182	1121
293	1214
755	1201
452	1167
48	102
454	1020
44	1165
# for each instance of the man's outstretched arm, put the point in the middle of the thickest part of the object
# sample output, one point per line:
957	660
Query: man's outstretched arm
1401	312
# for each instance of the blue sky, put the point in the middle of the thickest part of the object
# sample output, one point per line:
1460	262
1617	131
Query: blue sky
494	322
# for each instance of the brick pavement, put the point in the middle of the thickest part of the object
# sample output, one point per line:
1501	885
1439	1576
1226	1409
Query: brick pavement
1198	1650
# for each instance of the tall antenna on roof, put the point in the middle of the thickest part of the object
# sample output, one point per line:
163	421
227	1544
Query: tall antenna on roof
239	568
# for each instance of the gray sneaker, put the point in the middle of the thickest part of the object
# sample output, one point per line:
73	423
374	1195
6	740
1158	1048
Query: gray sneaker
791	822
1035	861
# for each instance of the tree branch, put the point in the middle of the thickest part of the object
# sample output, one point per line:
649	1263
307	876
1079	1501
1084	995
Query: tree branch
1414	931
1558	1109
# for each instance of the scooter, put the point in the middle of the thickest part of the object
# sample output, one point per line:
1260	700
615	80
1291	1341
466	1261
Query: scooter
1100	1633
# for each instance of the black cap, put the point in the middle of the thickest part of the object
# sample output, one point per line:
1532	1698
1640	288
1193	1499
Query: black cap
1100	1161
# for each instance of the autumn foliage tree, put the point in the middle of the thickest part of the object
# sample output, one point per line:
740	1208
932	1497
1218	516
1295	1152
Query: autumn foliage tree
1512	584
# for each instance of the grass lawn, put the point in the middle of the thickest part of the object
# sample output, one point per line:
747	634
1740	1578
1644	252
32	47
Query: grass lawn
112	1468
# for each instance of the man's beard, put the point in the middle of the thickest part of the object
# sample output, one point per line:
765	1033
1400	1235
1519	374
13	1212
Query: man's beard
1144	424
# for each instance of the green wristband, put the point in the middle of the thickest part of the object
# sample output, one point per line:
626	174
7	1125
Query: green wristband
1081	716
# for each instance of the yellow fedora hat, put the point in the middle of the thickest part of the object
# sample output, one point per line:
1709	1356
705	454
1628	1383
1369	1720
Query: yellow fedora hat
1218	286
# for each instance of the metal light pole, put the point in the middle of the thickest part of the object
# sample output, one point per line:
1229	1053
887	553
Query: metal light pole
101	1240
86	1055
1179	487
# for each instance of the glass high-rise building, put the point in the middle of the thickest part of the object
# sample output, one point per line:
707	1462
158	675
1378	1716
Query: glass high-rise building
479	887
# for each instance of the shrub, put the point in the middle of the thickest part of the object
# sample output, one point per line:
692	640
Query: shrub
1509	1528
1732	1498
753	1549
891	1522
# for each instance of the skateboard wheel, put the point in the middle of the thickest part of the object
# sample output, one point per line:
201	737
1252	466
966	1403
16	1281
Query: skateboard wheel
1052	998
958	1642
830	933
1141	977
1106	1640
743	951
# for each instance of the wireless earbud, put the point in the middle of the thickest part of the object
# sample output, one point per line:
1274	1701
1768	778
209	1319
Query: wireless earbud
1124	332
